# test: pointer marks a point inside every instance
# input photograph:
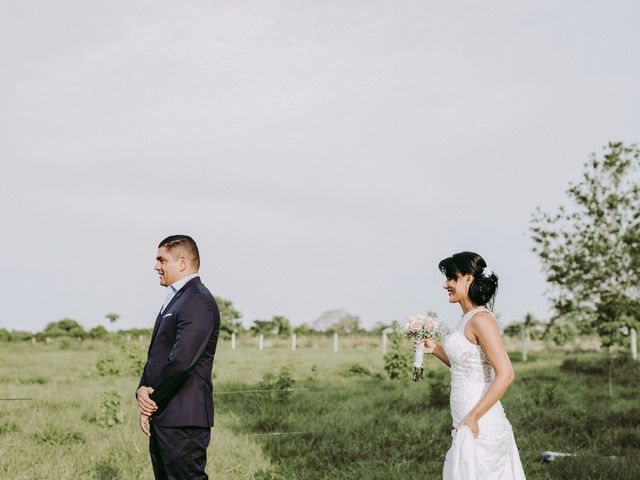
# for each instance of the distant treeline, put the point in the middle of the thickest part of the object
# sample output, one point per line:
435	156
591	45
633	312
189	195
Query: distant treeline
67	328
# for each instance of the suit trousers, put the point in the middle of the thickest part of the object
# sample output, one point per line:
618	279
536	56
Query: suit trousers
179	453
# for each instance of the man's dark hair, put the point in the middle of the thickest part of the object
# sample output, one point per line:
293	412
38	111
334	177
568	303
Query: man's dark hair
185	244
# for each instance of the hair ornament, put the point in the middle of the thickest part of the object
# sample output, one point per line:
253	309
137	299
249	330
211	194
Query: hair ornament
487	272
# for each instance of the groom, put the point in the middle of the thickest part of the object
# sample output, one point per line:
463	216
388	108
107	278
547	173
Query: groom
175	394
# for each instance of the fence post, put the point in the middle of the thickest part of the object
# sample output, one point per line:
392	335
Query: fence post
385	339
261	342
525	334
335	343
33	340
233	340
634	344
294	339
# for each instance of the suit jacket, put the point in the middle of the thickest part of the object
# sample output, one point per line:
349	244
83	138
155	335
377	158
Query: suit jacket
180	358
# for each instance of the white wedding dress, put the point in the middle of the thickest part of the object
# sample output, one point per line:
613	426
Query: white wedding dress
494	454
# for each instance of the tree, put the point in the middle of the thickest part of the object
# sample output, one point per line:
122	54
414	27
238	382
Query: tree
590	252
112	317
338	321
526	329
278	325
534	326
282	325
98	332
64	328
347	325
5	335
304	329
230	318
380	327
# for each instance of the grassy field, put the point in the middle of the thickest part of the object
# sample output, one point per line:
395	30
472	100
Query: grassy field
343	419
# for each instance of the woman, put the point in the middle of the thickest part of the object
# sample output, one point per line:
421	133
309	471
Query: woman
483	445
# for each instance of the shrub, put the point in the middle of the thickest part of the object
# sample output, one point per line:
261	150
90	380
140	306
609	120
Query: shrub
98	333
110	411
396	362
107	365
5	335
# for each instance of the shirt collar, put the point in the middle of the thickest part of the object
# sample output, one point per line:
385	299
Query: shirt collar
182	282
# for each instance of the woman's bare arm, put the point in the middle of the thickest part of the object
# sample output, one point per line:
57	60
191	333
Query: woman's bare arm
485	329
436	350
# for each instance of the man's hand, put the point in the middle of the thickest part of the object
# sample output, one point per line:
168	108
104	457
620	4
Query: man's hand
144	424
145	404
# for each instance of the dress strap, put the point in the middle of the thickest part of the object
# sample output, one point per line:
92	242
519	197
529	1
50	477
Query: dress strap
467	316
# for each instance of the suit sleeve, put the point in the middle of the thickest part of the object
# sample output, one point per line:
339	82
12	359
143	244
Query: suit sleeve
143	379
193	330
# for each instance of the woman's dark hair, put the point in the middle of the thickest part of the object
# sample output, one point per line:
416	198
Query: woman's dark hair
483	289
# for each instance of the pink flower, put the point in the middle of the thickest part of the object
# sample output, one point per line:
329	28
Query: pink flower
416	325
432	324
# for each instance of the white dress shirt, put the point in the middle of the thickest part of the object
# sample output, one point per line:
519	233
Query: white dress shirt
173	289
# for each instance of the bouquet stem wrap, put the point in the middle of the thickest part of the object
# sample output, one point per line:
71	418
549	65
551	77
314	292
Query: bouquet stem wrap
418	362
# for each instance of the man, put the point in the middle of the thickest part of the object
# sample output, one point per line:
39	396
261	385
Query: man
175	394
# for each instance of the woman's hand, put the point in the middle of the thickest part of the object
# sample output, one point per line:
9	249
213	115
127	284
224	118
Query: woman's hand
471	422
428	345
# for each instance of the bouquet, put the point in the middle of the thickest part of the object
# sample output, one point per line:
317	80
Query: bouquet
420	327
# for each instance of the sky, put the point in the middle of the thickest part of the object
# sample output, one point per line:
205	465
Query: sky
324	155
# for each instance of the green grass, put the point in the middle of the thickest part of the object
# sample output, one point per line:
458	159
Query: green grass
348	421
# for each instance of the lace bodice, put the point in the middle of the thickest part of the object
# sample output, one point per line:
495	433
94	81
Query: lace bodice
469	362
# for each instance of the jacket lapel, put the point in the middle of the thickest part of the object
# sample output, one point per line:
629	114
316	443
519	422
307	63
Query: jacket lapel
178	294
155	330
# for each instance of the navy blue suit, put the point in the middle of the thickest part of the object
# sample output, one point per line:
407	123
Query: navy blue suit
178	368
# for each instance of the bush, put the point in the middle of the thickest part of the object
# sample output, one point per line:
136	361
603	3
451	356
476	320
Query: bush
5	335
98	333
110	411
107	365
63	328
396	362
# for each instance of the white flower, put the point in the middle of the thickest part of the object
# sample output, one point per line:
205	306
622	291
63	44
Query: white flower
487	272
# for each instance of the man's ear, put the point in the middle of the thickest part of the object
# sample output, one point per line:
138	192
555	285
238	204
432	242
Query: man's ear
183	264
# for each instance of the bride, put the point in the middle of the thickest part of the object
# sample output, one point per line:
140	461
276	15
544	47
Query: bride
483	445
